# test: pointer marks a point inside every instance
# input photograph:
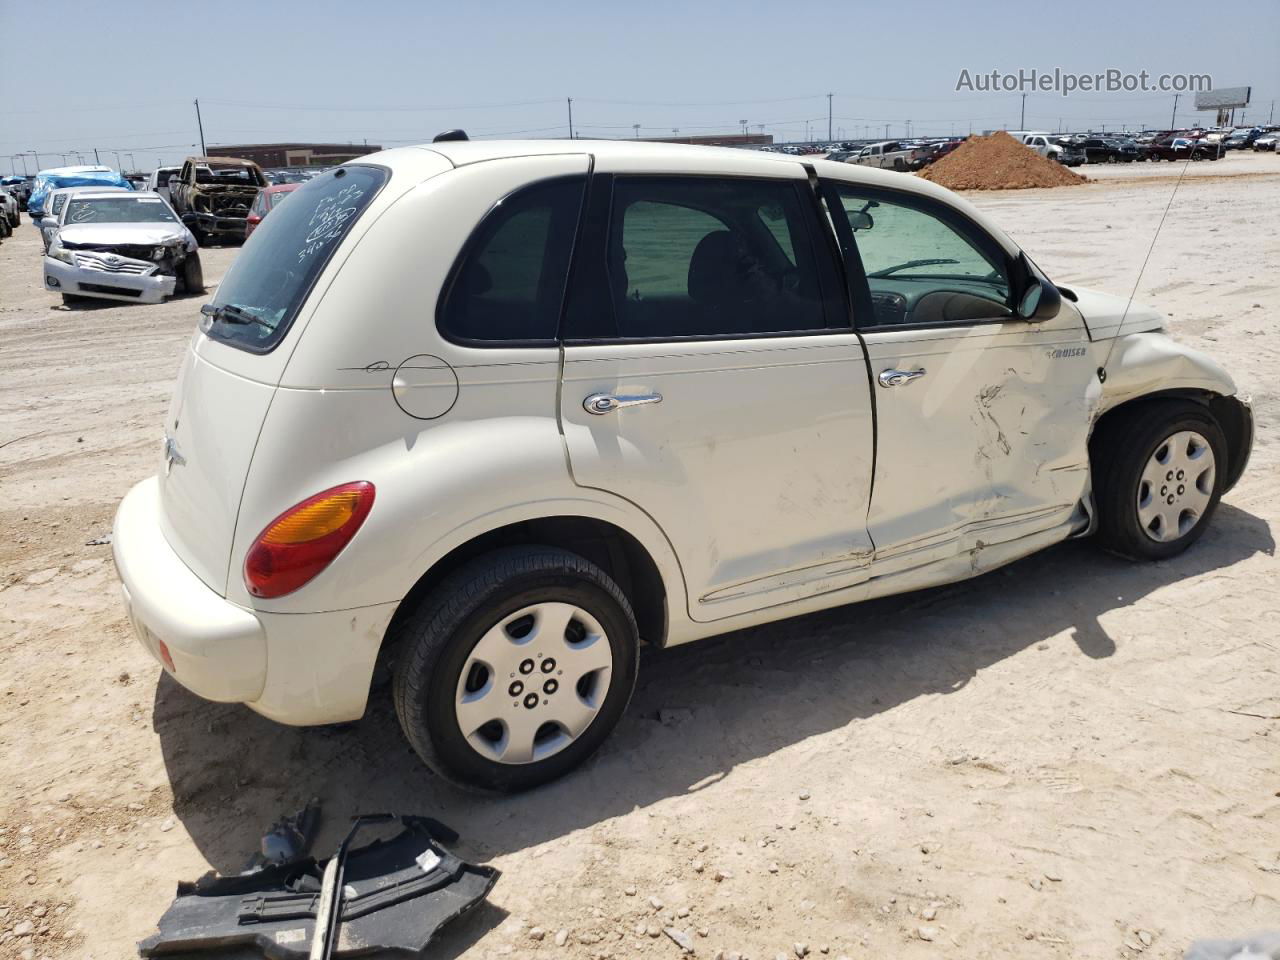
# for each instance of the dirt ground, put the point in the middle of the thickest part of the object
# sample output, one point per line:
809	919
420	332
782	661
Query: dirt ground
1076	757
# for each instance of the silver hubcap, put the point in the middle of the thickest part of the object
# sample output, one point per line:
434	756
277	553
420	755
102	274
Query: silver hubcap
533	683
1176	486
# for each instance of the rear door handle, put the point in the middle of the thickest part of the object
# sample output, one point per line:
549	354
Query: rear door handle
602	403
899	378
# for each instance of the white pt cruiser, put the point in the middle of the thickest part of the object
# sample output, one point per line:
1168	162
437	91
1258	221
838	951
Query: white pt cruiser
492	414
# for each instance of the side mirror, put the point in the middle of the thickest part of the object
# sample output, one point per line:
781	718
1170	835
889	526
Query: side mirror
1040	300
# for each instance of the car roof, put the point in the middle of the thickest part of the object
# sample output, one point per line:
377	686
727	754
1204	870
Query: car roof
673	158
91	188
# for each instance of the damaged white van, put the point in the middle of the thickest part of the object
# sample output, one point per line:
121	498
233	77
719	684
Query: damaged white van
493	414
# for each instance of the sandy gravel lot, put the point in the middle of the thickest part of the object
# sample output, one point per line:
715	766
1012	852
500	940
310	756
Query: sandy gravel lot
1075	757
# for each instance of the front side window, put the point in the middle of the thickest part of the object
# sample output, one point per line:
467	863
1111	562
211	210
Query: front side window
262	293
508	283
709	257
923	267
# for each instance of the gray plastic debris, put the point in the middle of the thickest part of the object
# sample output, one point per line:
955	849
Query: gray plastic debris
396	895
289	838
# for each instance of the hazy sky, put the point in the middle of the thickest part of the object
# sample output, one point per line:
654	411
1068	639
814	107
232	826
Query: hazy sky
78	75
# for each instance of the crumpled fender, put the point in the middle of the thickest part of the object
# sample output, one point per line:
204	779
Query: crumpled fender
1151	362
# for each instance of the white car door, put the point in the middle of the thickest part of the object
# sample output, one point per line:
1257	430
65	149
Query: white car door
983	418
711	377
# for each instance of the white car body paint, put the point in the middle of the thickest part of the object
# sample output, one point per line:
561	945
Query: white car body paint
755	486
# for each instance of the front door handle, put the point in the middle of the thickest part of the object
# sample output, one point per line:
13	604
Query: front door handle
602	403
899	378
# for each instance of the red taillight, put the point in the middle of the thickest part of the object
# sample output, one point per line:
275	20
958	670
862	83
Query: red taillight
303	540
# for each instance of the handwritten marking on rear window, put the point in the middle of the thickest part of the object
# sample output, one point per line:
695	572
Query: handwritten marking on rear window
327	220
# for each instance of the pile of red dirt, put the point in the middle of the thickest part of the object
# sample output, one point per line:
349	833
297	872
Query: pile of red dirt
998	162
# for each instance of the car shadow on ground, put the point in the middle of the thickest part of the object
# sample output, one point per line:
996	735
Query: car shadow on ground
749	694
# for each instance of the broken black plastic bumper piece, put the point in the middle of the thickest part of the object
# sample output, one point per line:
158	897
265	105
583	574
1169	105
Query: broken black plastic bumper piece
393	896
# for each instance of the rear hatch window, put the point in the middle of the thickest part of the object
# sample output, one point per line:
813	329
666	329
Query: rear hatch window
262	293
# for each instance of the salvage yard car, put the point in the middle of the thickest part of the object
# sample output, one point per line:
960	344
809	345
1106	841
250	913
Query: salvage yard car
9	208
55	205
121	247
212	195
265	202
1181	148
492	414
891	155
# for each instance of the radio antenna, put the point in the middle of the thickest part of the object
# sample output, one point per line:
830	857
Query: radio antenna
1102	370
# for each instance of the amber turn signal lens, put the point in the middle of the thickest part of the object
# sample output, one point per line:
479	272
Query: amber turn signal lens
304	539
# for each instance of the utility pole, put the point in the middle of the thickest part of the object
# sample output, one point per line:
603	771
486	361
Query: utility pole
829	96
200	124
1022	120
886	131
569	100
636	128
118	161
1271	119
132	163
95	157
744	127
1173	120
37	156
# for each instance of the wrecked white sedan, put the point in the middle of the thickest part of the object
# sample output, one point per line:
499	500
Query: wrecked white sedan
493	414
120	246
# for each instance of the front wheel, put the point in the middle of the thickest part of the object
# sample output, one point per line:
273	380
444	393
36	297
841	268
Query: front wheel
192	274
515	668
1158	478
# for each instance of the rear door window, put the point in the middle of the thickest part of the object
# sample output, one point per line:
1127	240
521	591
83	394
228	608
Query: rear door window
262	293
708	257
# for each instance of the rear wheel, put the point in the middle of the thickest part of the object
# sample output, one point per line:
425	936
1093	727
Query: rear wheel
516	668
1158	478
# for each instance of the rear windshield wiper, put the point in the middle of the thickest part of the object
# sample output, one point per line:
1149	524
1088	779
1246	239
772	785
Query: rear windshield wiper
230	313
908	265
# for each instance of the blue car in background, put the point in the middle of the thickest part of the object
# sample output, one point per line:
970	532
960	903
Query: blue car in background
89	176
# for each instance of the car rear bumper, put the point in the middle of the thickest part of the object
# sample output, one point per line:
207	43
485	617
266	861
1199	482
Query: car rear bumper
299	669
62	277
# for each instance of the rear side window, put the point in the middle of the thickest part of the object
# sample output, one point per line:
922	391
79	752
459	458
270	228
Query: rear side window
709	257
508	284
279	263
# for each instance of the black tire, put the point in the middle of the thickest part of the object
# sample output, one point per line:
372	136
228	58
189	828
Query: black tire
192	275
72	299
899	165
1120	453
434	643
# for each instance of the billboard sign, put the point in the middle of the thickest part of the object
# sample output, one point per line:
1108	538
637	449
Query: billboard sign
1223	98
